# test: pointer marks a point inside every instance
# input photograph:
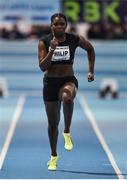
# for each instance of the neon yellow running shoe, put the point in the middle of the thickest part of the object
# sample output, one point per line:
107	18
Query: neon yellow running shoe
52	163
68	141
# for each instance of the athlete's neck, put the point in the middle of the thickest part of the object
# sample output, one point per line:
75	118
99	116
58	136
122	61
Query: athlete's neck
61	38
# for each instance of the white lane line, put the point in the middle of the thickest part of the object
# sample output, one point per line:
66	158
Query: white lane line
12	127
98	133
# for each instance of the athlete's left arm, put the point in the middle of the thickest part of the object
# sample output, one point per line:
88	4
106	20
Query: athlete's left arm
86	45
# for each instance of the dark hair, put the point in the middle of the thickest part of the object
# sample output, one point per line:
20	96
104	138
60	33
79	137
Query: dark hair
58	15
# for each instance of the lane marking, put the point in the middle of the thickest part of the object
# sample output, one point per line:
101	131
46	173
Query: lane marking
98	133
14	121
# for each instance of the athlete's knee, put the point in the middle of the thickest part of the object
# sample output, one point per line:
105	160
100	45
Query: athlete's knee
66	97
68	93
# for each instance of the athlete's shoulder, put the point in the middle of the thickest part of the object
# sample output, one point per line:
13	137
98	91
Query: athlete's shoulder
46	37
73	37
46	40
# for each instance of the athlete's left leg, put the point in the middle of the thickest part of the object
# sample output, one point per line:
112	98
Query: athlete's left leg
67	94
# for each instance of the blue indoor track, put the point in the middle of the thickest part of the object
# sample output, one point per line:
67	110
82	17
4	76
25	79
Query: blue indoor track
99	126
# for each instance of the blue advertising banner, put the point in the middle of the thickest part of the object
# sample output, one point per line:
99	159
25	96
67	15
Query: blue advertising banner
32	11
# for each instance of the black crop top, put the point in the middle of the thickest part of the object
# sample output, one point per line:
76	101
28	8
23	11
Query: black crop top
64	52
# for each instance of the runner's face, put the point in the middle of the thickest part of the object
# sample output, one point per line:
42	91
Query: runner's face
58	26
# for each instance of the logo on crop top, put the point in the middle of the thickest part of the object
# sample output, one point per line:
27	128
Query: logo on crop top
61	53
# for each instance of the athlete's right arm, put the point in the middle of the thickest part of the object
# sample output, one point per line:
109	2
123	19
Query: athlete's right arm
44	56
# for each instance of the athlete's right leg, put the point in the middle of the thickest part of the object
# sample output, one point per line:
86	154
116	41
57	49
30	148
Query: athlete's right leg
53	114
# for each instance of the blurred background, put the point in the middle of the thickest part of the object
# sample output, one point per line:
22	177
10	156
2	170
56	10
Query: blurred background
96	19
23	23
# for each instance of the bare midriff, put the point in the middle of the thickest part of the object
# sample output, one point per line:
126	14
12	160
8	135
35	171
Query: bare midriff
60	71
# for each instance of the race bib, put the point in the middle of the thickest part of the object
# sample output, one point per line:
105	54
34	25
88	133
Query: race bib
61	53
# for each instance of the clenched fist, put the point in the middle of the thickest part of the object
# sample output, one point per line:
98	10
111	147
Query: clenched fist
54	43
90	77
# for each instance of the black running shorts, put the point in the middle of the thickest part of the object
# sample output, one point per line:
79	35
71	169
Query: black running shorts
52	86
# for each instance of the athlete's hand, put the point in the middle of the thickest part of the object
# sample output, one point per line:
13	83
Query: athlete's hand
54	43
90	77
